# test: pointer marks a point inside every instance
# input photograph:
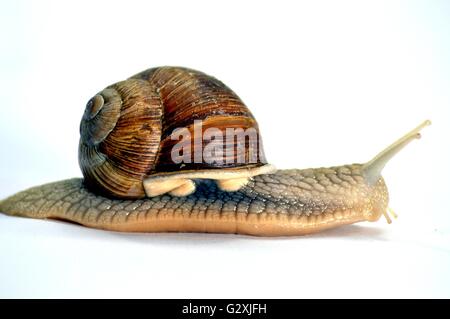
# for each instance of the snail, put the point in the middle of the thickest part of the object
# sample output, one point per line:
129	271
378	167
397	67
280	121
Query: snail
157	154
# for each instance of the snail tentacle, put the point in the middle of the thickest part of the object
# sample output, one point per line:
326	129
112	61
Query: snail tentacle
372	169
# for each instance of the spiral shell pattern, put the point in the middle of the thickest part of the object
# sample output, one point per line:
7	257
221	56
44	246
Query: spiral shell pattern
119	142
126	128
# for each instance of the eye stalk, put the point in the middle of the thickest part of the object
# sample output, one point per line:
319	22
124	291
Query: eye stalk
372	169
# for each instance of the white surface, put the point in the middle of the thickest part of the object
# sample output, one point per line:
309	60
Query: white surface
329	82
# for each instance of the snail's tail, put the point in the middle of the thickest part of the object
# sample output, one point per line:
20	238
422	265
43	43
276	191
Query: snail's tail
372	169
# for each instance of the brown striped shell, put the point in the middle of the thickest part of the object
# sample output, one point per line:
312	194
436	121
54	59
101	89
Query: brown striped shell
126	129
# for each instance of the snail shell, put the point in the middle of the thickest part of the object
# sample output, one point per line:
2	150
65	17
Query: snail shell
126	139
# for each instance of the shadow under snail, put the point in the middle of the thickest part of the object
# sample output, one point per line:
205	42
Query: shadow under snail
132	182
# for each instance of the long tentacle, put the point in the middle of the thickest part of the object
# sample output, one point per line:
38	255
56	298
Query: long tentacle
372	169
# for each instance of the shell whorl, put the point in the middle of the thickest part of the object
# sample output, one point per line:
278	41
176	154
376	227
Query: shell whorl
120	141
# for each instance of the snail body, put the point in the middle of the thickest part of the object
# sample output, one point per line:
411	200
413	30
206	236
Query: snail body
132	182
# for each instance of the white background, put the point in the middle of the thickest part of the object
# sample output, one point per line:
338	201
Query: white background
329	82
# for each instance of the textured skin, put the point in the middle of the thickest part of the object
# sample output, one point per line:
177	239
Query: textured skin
289	202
